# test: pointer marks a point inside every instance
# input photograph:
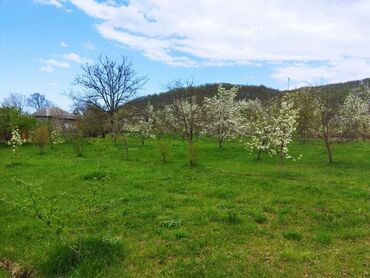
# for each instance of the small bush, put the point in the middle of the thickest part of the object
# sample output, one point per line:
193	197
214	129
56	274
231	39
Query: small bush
293	236
86	258
41	138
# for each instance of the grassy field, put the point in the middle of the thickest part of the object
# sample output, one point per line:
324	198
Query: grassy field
229	216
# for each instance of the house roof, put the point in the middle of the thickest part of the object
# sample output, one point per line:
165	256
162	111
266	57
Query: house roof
53	112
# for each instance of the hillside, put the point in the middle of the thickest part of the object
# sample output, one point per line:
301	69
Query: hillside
207	90
246	92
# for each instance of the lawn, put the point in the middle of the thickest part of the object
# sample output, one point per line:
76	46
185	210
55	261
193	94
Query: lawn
229	216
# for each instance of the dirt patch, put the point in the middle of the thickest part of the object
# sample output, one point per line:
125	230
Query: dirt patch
14	269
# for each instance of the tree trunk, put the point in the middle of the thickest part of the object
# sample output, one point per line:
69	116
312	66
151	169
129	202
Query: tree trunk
220	143
113	123
328	149
259	154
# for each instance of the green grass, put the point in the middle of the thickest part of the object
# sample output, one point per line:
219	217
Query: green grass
229	216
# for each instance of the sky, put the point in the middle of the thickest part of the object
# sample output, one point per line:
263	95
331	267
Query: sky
43	43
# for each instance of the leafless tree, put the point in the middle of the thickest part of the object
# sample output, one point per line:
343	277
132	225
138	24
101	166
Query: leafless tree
328	108
38	101
108	85
15	100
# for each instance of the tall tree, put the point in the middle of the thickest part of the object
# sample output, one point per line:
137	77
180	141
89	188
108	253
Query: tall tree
38	101
15	100
108	85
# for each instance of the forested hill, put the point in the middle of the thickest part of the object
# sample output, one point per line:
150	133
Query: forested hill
208	90
245	92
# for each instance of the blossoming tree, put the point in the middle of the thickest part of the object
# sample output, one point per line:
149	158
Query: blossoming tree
273	129
222	114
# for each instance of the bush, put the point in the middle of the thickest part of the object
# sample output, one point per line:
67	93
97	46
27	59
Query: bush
41	138
11	117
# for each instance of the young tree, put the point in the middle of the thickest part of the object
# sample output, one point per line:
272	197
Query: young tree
41	138
328	114
355	114
109	85
306	103
38	101
274	128
143	122
222	114
184	117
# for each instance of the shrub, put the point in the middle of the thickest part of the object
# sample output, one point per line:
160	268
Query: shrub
41	138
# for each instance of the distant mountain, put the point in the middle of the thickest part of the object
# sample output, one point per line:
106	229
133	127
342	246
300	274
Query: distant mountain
245	92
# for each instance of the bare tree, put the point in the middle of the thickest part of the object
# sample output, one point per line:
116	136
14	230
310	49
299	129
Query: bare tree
38	101
108	85
328	108
15	100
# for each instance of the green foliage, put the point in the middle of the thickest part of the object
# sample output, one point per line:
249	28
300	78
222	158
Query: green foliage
85	258
95	176
11	117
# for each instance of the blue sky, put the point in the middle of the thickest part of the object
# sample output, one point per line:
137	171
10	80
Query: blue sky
44	42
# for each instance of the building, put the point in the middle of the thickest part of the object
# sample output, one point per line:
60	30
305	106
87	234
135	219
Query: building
56	116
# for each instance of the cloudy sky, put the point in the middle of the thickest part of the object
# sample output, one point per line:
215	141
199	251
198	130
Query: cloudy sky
44	42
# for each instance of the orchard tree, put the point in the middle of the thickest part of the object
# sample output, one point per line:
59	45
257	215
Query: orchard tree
108	85
328	106
222	114
38	101
355	114
184	116
143	122
274	128
306	103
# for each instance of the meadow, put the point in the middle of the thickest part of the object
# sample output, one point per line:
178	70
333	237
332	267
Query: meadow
229	216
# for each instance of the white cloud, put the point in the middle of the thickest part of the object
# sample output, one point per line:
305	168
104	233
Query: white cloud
220	32
63	44
51	64
55	3
47	68
88	45
55	63
73	57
